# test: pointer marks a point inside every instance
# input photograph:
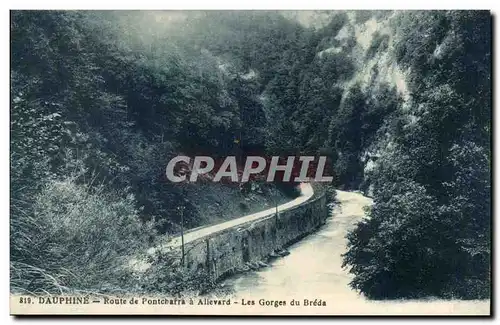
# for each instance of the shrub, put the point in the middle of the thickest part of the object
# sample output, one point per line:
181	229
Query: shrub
167	276
243	206
77	237
400	250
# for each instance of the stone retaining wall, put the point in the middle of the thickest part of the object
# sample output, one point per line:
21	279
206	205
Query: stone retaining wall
228	251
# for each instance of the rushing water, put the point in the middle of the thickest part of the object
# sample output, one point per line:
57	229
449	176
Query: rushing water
313	271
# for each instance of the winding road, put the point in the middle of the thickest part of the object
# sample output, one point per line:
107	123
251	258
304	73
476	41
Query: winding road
314	270
306	193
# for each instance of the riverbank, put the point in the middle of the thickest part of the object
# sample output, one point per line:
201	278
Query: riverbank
313	271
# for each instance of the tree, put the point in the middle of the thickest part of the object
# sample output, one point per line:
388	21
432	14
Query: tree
427	234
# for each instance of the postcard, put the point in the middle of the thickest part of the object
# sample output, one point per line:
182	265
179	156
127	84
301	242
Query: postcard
321	163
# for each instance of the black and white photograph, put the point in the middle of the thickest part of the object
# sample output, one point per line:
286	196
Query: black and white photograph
251	162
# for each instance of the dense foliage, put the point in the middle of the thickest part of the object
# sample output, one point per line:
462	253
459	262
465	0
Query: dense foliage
96	109
100	101
428	232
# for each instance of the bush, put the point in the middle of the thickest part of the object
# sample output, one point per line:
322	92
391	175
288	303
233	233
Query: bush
167	276
331	193
243	206
77	237
408	247
400	250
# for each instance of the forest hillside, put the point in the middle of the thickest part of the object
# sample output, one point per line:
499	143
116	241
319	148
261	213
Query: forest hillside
400	103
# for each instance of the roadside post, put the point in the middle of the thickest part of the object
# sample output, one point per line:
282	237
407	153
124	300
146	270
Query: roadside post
276	218
181	208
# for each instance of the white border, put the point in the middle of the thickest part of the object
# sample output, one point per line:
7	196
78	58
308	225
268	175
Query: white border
250	4
191	5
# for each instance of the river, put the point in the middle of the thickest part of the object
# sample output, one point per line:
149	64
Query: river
313	271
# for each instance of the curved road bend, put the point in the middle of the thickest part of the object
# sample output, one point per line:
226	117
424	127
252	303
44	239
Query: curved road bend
306	192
